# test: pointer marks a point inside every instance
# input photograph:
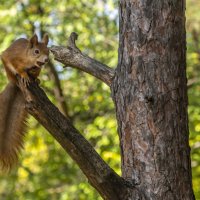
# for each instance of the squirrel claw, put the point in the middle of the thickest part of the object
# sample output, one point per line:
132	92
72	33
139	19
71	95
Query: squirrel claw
25	81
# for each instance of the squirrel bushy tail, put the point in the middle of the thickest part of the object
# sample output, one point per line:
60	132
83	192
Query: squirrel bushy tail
12	125
24	58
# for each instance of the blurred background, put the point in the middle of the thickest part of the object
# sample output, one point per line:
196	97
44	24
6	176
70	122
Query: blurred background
44	170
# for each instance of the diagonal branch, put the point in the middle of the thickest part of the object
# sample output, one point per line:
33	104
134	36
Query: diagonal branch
73	57
99	174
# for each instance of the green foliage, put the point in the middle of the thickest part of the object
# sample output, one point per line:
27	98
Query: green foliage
193	70
44	171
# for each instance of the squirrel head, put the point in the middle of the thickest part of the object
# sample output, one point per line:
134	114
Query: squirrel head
38	52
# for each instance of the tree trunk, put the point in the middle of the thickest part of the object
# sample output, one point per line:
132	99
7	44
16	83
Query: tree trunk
150	94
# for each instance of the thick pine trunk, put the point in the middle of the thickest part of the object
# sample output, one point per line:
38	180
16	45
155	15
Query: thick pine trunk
150	93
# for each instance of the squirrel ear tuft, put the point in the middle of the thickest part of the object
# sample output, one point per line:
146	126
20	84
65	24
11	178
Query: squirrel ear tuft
45	39
34	40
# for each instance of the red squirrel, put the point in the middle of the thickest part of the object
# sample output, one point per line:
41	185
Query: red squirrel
23	58
24	54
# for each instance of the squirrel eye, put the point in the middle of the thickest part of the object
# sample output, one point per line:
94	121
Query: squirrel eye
37	51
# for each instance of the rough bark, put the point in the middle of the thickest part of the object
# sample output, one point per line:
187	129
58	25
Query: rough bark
150	94
110	185
149	89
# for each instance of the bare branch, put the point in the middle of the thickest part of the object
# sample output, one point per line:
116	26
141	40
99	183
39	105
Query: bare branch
99	174
72	56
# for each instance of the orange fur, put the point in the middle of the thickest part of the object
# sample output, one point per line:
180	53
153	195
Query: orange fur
13	125
22	59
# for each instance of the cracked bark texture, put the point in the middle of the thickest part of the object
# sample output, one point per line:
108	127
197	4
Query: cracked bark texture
109	185
150	94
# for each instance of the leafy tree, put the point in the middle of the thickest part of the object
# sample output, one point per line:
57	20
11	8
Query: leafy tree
193	70
89	106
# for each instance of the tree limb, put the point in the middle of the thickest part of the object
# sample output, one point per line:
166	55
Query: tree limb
99	174
73	57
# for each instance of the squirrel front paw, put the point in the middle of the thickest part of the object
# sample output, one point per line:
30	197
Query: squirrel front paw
26	81
23	79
